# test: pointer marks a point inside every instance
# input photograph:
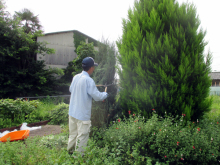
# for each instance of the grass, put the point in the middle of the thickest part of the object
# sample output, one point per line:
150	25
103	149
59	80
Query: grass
214	114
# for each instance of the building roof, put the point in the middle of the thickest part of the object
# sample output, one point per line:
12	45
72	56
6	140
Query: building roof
215	75
74	31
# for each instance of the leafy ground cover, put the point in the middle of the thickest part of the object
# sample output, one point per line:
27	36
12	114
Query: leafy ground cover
133	140
16	112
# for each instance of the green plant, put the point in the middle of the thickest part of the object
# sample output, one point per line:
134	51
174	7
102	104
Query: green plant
162	60
59	115
20	72
74	67
159	139
14	112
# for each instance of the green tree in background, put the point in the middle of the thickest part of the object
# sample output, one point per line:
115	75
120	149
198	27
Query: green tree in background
162	58
28	20
105	71
74	67
20	74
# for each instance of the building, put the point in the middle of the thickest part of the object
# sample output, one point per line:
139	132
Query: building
215	76
63	43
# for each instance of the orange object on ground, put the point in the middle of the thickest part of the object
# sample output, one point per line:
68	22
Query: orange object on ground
17	135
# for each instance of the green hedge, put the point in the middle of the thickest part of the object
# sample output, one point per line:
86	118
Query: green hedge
160	140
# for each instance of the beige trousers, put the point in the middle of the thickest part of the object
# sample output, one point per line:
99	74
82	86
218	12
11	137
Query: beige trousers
78	134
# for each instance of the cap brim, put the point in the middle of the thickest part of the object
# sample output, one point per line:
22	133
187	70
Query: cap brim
95	64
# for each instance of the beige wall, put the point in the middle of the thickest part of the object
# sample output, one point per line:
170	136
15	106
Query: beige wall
64	46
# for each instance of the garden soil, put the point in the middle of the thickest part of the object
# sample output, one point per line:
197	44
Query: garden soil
46	130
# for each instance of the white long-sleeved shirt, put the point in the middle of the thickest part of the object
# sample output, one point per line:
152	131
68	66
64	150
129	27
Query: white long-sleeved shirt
83	89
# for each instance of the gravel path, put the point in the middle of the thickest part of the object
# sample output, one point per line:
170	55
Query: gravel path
46	130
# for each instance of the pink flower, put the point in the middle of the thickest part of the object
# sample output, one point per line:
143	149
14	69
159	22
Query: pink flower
198	129
194	147
217	122
153	109
139	127
182	159
165	156
116	128
178	143
200	149
129	112
133	114
119	120
135	121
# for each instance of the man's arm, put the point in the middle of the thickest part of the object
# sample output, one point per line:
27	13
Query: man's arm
94	92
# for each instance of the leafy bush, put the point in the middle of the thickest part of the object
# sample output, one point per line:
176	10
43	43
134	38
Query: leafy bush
161	139
59	115
21	74
127	141
14	112
162	60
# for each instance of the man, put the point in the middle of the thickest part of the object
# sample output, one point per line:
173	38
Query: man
82	89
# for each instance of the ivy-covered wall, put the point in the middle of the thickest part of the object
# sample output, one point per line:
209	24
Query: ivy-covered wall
78	37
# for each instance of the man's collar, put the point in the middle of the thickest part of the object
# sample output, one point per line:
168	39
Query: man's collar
85	73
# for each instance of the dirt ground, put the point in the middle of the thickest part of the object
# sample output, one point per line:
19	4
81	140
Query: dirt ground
46	130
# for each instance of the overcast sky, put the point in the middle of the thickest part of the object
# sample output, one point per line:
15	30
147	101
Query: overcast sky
97	18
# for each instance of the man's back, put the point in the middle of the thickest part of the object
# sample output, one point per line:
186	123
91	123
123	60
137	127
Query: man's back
82	90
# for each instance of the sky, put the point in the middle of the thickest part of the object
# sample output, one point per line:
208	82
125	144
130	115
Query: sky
102	18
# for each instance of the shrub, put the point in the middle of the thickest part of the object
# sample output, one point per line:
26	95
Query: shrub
14	112
59	115
161	139
162	60
47	150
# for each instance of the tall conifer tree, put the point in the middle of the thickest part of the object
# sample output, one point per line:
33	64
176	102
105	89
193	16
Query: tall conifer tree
162	58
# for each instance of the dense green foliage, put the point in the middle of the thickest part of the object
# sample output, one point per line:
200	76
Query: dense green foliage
162	60
32	23
15	112
20	74
74	67
103	74
59	115
127	141
80	37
